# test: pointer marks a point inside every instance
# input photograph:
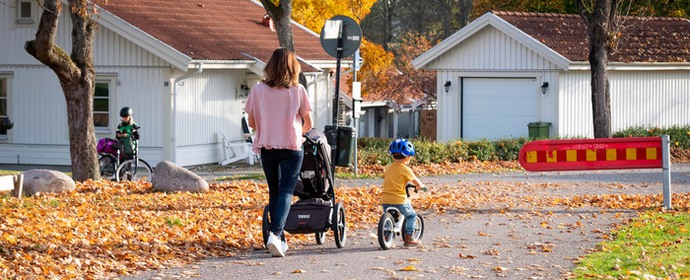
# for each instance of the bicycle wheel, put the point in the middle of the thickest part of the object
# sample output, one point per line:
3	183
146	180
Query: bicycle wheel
386	231
418	227
106	165
134	171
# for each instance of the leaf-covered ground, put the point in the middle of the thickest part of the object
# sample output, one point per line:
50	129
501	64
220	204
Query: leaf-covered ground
105	229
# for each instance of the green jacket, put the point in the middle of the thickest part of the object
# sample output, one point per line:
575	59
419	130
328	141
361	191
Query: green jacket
132	129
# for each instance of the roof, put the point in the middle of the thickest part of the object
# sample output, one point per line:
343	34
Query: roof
223	30
562	38
643	39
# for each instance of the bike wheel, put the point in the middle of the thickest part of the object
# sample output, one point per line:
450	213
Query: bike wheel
340	225
418	227
131	170
265	225
106	166
386	231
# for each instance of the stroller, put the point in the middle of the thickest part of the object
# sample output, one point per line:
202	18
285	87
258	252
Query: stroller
316	211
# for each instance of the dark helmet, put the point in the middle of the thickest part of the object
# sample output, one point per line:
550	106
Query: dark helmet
126	112
401	146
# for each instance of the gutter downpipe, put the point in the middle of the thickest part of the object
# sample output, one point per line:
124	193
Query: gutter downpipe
173	132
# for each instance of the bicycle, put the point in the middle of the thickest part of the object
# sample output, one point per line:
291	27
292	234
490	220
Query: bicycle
132	168
392	223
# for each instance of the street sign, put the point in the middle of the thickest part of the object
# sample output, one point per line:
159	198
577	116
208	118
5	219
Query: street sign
591	154
341	33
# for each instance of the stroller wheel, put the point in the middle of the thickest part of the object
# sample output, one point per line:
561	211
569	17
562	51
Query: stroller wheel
320	236
265	225
340	225
386	231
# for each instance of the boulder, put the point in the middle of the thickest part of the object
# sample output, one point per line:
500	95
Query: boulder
171	177
46	181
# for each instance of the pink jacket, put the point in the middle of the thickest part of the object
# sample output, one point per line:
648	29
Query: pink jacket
277	114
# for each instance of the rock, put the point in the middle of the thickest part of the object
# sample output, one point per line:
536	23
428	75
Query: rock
171	177
46	181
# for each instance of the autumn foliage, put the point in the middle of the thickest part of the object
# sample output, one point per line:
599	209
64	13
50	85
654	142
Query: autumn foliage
104	229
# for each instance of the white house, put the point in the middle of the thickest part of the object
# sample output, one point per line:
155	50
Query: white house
184	67
507	69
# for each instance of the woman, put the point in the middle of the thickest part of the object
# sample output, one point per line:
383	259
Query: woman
279	111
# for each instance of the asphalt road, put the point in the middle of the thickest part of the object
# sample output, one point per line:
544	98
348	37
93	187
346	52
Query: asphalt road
523	242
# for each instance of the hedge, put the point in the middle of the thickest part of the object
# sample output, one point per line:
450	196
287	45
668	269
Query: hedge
375	150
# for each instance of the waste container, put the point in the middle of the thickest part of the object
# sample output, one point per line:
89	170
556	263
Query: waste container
539	130
346	144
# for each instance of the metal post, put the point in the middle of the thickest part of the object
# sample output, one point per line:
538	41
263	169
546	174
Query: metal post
336	102
666	170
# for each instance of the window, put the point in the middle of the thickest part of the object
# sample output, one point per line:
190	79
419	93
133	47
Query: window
101	104
3	105
25	13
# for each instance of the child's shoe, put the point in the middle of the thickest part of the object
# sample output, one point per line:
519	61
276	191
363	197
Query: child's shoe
408	240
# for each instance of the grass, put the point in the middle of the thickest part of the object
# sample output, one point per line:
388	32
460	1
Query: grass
655	245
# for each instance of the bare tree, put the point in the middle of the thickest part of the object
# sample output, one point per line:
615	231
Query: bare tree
603	29
77	78
465	12
282	16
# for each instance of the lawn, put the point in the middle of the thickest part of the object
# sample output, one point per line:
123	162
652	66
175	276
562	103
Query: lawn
655	245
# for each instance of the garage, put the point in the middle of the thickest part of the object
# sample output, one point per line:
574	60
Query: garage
494	108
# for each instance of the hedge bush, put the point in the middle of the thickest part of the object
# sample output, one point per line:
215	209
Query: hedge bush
375	150
679	135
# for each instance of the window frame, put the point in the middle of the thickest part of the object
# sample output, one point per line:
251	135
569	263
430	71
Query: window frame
110	80
21	20
7	77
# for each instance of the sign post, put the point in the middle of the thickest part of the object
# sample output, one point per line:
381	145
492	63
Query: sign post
341	37
598	154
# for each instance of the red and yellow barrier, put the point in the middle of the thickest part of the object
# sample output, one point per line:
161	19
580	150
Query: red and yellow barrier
591	154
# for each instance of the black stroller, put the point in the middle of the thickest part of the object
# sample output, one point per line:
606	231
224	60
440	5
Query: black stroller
316	211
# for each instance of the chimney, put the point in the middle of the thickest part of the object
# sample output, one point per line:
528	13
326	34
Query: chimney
268	22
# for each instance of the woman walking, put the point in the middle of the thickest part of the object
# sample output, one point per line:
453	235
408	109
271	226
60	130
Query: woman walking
278	109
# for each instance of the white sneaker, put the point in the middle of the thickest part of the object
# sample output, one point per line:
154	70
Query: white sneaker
274	246
285	247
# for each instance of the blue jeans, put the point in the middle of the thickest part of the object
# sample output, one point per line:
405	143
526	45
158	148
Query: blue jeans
407	211
281	168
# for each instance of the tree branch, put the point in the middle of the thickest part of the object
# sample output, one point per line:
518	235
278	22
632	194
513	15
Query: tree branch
43	48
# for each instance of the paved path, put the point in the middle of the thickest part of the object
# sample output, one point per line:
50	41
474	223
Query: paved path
523	242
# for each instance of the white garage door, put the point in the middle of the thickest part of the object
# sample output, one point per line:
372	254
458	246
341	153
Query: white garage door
494	108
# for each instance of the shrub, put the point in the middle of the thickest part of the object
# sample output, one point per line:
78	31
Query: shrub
482	150
678	135
508	149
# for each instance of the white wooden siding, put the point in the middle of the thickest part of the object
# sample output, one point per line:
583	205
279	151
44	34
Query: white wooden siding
111	49
491	50
321	99
206	104
448	104
40	134
638	98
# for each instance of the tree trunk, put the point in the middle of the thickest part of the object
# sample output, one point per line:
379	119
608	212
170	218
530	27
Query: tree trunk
599	16
465	12
282	16
77	79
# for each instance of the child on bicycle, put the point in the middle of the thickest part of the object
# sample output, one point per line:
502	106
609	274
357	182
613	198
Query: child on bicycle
395	178
127	133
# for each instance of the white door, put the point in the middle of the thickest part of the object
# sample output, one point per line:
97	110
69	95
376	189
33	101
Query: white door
494	108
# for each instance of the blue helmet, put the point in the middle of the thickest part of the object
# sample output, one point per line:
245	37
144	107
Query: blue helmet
401	146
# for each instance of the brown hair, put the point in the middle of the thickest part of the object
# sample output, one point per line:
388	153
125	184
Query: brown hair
282	70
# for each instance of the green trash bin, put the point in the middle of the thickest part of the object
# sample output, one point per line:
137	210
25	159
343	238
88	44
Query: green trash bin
344	155
539	130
